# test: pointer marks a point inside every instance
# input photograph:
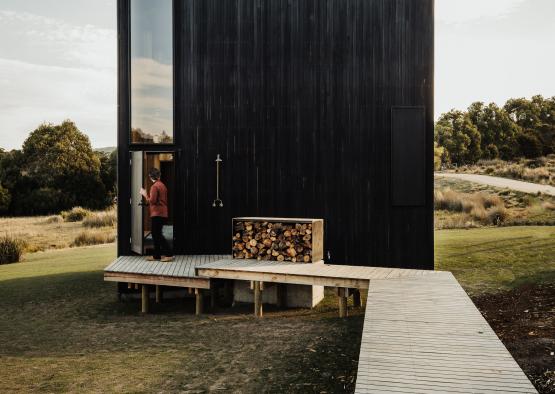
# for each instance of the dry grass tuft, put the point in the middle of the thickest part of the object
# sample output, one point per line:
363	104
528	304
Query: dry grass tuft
497	215
11	249
447	200
454	221
54	219
101	219
76	214
93	237
481	207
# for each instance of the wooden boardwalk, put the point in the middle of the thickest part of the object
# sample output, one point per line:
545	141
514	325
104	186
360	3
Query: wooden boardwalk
424	335
317	274
178	273
421	334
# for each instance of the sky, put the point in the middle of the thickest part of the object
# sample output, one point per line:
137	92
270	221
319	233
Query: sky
58	60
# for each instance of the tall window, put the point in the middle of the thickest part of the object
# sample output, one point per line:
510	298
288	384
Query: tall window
151	72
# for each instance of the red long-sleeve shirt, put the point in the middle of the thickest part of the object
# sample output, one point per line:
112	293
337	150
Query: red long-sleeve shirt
158	200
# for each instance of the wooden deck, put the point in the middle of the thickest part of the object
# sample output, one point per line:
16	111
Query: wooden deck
424	335
421	334
317	274
179	273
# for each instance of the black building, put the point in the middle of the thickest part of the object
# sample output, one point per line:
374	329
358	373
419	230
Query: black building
316	108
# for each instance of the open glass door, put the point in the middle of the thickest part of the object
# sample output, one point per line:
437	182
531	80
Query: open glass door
137	218
142	162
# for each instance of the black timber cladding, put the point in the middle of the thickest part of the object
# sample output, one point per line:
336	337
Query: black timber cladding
408	160
297	97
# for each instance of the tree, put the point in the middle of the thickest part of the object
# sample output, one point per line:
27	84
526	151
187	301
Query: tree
497	130
5	199
529	145
108	172
439	156
536	116
458	135
61	165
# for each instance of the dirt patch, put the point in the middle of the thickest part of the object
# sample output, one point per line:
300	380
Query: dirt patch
524	319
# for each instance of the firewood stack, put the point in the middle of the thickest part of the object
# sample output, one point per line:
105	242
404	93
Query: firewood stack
266	240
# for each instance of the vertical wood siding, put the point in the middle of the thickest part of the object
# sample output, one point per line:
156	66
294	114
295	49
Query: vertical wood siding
296	96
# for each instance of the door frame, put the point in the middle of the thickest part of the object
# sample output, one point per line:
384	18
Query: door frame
144	152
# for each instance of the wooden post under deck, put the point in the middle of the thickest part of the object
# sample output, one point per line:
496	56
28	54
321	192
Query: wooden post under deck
257	299
342	298
198	302
144	299
158	294
281	295
356	298
213	294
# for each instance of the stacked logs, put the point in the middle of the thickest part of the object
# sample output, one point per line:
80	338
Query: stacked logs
273	241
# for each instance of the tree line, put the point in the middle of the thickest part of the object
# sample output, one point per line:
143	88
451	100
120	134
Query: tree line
521	128
56	169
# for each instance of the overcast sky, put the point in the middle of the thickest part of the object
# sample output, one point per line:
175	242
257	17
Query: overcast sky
58	60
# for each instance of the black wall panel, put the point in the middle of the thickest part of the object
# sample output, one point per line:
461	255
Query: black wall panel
408	156
297	96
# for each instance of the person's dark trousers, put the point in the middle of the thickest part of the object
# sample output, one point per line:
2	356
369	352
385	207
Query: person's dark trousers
161	247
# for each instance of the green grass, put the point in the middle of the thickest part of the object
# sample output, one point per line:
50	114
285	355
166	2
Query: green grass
493	259
62	330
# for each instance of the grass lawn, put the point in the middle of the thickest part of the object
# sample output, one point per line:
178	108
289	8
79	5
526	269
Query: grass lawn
497	258
63	330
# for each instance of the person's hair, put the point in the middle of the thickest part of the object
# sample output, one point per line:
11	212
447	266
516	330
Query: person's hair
154	173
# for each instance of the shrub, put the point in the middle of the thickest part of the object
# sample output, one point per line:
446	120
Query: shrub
41	201
448	200
89	237
497	215
529	145
5	199
54	219
11	249
76	214
469	210
479	213
536	175
491	200
101	219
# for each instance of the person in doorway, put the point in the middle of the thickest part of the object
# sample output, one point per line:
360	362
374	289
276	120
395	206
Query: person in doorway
158	208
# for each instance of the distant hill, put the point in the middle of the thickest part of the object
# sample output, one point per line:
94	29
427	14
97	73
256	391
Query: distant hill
108	149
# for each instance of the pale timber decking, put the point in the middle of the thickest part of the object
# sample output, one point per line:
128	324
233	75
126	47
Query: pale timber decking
179	273
317	274
421	334
424	335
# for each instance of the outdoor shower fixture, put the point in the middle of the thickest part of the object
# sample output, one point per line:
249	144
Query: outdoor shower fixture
218	203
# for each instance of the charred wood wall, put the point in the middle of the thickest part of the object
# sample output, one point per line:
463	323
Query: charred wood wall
298	97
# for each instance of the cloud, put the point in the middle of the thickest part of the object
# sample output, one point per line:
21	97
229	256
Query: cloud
45	40
464	11
32	94
498	50
51	70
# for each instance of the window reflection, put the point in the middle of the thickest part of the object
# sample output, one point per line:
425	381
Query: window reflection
151	72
